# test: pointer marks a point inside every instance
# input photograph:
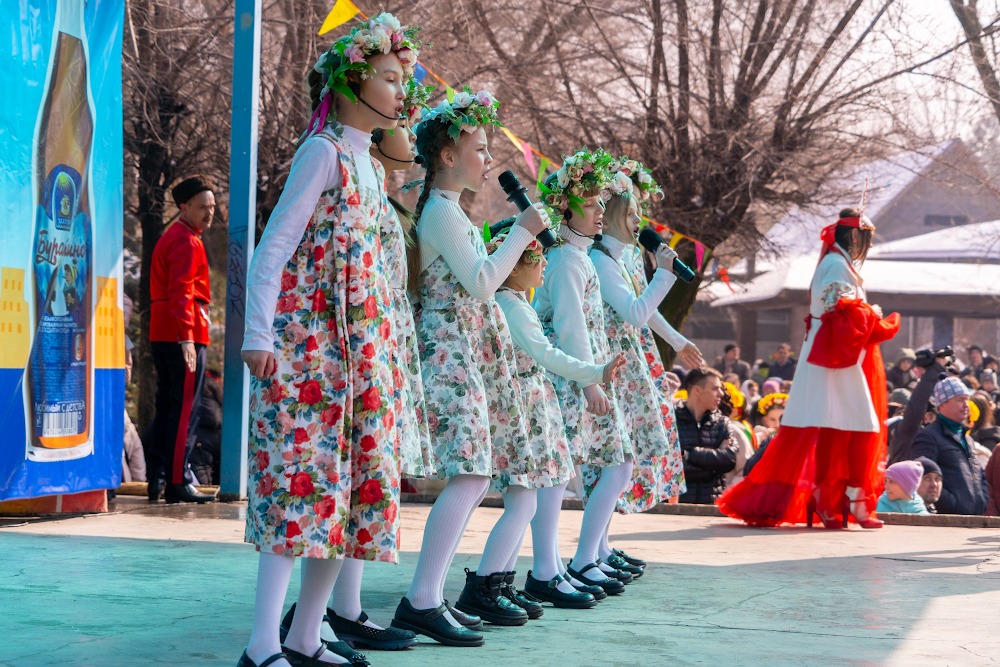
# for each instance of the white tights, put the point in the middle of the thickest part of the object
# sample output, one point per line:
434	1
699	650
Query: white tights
505	539
445	526
597	515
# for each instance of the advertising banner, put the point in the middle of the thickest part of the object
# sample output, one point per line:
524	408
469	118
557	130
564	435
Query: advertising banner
62	378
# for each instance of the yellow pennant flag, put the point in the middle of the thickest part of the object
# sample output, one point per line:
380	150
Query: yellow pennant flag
513	139
450	93
675	239
342	12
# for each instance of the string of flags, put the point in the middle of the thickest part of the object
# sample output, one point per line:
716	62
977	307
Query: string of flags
345	10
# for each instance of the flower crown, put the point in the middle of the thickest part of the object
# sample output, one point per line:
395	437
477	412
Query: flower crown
465	111
628	172
416	97
380	34
771	401
736	396
581	173
532	253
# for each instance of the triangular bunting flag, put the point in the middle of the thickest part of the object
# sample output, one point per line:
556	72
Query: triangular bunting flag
699	254
450	92
420	72
675	239
529	157
342	12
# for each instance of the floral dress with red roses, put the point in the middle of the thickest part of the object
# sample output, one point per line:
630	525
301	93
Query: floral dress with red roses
416	457
473	402
323	441
642	410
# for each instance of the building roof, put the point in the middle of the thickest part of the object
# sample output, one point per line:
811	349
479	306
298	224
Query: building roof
977	242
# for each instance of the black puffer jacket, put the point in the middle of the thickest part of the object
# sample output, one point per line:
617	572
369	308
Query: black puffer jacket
962	478
709	454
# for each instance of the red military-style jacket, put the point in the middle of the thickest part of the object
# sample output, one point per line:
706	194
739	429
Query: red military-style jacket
179	286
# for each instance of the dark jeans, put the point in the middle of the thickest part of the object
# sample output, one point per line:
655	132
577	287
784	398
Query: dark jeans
178	405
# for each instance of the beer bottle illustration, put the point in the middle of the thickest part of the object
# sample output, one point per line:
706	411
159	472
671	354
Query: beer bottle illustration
58	386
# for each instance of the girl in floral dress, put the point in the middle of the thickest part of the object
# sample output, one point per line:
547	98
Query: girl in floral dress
571	312
323	441
396	151
657	475
473	407
547	431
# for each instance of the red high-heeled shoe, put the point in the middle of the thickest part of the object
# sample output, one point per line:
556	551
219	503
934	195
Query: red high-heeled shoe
857	501
830	523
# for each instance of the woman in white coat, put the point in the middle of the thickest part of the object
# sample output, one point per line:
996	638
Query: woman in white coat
828	457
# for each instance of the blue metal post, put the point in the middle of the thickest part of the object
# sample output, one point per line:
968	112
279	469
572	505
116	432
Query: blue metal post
242	217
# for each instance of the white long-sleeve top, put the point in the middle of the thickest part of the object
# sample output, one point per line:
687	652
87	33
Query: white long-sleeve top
443	231
657	322
526	332
315	169
617	288
561	296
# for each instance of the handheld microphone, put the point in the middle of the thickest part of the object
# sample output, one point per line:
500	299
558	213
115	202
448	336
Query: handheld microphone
651	241
515	195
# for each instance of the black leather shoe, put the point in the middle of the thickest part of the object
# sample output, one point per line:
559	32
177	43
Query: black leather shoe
525	602
482	596
154	489
185	493
470	621
619	563
610	586
594	590
245	660
340	647
359	635
431	623
547	591
296	659
631	560
615	573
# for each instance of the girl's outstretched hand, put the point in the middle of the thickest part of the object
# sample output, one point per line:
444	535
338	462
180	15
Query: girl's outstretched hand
534	219
261	363
611	368
690	356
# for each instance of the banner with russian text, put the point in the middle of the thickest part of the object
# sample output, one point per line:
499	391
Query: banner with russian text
62	378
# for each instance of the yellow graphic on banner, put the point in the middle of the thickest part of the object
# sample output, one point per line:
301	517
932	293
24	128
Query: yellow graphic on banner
15	339
109	326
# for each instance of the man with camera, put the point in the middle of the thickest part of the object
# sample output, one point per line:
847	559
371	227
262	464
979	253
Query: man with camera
934	363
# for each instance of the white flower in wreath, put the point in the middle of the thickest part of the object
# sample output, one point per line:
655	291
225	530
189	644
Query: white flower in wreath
462	100
645	178
485	98
390	22
621	184
562	178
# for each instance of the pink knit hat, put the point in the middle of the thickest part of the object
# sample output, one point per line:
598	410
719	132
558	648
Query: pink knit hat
907	474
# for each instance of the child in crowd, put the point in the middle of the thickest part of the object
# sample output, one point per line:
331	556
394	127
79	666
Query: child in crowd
323	442
473	405
901	482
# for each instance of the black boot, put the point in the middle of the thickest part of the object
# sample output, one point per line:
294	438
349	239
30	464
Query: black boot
185	493
482	597
154	488
525	602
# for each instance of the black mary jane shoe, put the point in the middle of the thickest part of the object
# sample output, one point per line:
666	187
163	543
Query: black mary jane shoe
522	599
610	586
470	621
359	635
548	591
619	563
296	659
340	647
245	660
431	623
631	560
594	589
620	575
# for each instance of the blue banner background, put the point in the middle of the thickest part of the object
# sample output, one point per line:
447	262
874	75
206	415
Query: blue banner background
28	29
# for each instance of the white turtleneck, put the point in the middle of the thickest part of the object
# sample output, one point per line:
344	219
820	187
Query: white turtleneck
617	289
315	169
443	231
563	291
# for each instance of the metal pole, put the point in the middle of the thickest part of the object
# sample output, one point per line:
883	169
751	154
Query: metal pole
242	226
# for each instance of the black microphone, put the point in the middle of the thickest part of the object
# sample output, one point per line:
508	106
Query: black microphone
418	160
651	241
515	195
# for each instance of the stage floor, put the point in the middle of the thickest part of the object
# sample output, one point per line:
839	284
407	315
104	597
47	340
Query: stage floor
170	585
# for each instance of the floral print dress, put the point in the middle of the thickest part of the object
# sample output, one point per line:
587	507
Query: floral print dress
474	406
323	441
598	440
641	410
547	442
416	458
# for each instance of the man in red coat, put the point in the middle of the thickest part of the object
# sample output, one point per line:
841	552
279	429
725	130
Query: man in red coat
178	335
